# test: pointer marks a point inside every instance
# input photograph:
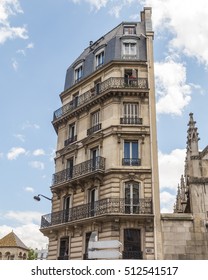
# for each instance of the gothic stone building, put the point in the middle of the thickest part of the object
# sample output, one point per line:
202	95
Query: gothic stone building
105	185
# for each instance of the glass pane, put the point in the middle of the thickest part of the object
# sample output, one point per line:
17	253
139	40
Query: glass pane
135	193
126	149
127	193
134	149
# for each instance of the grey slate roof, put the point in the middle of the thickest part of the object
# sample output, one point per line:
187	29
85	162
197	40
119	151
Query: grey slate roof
112	43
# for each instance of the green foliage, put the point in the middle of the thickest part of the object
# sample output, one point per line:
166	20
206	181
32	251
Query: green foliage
32	255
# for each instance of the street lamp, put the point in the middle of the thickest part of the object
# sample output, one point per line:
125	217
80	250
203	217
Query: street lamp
37	197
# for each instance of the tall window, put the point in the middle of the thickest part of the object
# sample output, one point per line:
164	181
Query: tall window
131	114
129	50
132	244
72	137
66	208
64	248
92	201
99	59
95	123
131	153
78	73
89	237
69	168
131	198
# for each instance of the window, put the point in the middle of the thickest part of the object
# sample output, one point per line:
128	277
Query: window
132	198
129	30
94	155
66	208
64	248
99	59
129	50
72	137
89	237
95	123
69	169
131	114
131	153
132	244
78	73
95	118
92	201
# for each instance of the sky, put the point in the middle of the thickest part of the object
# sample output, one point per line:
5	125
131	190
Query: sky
39	39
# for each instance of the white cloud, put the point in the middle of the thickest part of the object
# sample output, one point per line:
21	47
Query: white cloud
39	152
10	8
97	4
28	124
187	22
37	164
29	189
171	167
167	201
20	137
30	46
25	232
173	93
14	64
15	152
23	217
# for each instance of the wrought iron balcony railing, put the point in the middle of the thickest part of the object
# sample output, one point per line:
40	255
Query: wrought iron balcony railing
131	161
135	255
111	83
63	258
85	167
131	120
93	129
70	140
116	206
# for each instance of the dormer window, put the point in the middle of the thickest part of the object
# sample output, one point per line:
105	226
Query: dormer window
129	49
78	73
129	30
99	59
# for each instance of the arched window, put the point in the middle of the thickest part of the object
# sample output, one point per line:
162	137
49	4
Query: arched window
131	197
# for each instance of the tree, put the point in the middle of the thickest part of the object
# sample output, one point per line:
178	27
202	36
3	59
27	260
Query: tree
32	254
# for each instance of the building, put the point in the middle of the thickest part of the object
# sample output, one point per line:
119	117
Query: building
185	232
106	186
12	248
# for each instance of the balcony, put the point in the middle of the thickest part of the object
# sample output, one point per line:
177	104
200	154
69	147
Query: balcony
70	140
80	169
111	83
107	206
131	120
131	161
93	129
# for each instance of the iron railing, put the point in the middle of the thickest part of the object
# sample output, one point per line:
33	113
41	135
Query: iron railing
114	206
135	255
70	140
94	129
82	168
131	120
131	161
111	83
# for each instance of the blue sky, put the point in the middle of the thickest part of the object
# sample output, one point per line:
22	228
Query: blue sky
39	39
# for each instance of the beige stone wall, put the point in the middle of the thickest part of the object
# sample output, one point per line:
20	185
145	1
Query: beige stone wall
184	238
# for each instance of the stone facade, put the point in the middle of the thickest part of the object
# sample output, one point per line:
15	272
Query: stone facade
12	248
106	186
188	226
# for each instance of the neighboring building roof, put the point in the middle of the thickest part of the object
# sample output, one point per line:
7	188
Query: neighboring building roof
12	240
